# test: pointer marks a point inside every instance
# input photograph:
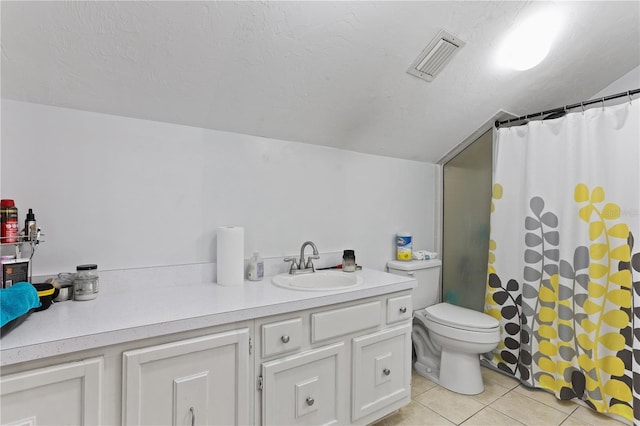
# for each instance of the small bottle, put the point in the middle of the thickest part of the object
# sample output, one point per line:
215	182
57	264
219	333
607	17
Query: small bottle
256	267
349	261
30	228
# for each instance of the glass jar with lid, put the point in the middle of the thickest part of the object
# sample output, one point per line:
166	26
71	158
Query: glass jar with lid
86	284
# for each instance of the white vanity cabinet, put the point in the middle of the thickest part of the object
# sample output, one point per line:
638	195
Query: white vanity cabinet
344	364
68	393
257	355
199	381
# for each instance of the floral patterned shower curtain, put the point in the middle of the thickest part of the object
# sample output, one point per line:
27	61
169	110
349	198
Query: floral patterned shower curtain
564	261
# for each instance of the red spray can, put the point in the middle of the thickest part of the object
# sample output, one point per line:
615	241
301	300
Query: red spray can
9	219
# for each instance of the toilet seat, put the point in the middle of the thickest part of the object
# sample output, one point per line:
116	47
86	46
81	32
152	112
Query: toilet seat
454	316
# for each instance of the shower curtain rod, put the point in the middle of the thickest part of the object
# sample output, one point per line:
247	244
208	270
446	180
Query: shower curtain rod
563	110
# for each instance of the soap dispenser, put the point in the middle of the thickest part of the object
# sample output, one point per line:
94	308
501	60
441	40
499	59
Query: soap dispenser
256	267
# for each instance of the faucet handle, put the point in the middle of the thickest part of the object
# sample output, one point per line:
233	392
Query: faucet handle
310	263
294	264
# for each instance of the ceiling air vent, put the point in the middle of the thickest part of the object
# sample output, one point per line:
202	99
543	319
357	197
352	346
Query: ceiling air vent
435	56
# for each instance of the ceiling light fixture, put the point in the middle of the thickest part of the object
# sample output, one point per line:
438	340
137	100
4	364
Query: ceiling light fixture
529	43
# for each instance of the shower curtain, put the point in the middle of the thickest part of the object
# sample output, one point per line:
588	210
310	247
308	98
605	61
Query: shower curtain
564	260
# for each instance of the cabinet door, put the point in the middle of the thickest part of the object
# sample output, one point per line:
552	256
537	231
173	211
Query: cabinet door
68	394
306	388
381	370
198	381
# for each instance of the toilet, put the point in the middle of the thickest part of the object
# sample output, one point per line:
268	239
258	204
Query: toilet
447	339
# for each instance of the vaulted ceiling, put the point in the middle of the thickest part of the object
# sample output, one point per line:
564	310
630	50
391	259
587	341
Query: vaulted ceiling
330	73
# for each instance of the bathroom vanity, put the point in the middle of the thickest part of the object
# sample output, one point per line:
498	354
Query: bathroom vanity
149	353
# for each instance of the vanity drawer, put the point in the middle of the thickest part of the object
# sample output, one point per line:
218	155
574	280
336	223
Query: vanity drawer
338	322
282	336
399	308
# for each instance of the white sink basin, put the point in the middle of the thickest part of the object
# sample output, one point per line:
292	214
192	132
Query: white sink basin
318	281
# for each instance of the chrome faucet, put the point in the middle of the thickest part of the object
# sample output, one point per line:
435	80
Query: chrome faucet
300	266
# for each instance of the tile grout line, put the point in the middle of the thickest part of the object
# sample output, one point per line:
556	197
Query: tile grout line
573	410
432	410
565	418
567	412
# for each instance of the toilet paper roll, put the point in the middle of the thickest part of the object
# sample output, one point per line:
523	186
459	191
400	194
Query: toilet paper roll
230	261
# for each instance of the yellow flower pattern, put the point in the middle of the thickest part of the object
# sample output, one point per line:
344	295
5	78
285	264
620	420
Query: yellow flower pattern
567	323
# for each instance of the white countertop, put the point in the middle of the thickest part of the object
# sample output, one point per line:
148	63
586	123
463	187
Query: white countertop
126	311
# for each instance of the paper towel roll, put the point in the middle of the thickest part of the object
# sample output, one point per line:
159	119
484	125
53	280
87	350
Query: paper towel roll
230	255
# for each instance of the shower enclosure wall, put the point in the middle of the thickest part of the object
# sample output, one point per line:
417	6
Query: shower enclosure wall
466	213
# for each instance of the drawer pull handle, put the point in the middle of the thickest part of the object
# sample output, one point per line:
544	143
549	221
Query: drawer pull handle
403	310
193	416
386	371
285	339
310	401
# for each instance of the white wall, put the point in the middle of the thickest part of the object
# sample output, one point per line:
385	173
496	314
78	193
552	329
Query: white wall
127	193
629	81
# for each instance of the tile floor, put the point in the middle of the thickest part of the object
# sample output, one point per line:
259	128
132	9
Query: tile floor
503	402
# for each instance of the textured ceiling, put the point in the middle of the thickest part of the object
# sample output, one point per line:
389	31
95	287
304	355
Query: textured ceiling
325	73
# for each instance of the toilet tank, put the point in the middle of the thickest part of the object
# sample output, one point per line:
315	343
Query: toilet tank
427	273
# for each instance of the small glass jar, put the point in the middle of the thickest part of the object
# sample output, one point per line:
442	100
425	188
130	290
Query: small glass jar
349	261
65	280
85	283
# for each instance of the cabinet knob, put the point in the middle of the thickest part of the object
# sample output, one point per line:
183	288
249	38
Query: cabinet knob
285	339
403	310
310	401
386	371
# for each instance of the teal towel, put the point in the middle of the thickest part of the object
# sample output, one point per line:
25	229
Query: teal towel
16	301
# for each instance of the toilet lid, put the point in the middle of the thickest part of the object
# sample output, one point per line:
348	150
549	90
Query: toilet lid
456	316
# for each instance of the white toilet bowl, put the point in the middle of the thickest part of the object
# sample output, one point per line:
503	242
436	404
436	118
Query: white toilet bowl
448	341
